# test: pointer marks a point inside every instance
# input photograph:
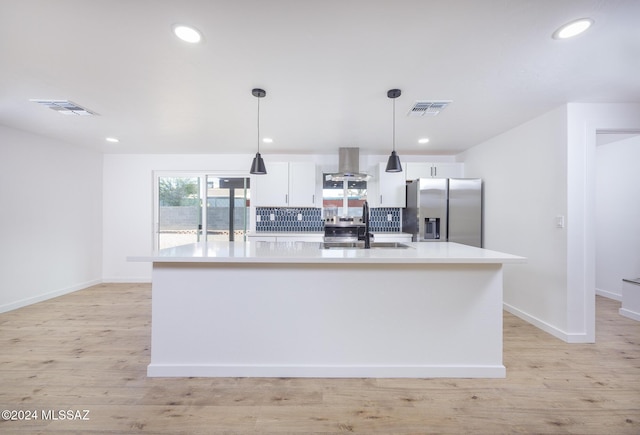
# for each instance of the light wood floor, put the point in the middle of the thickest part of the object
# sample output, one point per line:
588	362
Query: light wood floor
89	351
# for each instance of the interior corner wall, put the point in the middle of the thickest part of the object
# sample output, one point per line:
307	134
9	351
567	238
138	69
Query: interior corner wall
51	220
617	215
525	191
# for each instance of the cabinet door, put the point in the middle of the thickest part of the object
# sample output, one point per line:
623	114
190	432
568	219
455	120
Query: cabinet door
415	170
391	188
302	184
271	189
448	170
256	238
392	237
300	238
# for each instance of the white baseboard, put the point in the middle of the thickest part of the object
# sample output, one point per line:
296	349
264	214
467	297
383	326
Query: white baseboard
134	280
45	296
324	371
630	314
546	327
608	294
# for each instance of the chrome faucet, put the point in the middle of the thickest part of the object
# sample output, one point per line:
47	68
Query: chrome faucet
365	217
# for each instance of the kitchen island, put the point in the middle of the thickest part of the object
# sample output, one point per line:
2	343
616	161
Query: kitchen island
292	309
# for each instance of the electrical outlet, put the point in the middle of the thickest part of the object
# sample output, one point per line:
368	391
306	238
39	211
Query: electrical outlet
272	217
559	221
299	216
258	218
389	217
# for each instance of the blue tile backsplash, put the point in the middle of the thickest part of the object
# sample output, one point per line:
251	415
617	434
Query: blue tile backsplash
285	219
385	219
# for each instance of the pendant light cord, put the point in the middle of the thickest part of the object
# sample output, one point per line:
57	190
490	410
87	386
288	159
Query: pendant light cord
394	124
258	125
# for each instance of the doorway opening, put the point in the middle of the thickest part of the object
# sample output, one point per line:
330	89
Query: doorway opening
617	215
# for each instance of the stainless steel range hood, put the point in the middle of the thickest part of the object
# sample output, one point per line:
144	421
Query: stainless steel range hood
348	166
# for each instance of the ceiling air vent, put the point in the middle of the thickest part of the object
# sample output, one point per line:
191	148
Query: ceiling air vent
65	107
430	108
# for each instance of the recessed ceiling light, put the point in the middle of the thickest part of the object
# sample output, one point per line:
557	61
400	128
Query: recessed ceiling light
423	140
267	140
187	34
572	29
112	139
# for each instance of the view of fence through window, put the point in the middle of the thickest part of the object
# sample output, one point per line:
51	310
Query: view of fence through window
181	218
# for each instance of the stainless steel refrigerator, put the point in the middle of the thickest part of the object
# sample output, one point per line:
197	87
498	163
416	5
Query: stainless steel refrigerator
444	210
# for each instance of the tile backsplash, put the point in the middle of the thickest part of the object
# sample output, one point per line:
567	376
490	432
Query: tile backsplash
302	219
385	219
288	219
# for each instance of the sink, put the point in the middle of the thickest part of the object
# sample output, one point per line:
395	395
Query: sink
360	245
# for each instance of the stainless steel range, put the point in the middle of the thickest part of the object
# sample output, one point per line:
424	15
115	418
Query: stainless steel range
343	229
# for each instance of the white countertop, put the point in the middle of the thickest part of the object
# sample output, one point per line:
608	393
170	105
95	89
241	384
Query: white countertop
310	252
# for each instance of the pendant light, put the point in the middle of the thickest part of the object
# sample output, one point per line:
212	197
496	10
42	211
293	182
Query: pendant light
393	165
257	166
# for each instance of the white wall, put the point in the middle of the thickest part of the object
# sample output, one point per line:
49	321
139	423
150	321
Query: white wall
128	198
524	172
617	215
551	160
51	220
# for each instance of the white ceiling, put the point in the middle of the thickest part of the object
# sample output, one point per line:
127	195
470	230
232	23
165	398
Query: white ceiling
326	66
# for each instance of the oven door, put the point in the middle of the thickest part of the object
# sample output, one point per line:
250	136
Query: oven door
342	233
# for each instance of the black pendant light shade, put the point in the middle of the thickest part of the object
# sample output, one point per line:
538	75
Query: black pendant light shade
393	164
257	166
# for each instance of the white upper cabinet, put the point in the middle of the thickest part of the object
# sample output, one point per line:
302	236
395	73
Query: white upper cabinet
388	190
303	185
286	185
414	170
272	188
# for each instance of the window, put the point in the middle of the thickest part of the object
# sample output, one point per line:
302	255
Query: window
193	207
343	198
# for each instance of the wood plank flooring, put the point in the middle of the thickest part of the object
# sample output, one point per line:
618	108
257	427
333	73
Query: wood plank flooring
89	351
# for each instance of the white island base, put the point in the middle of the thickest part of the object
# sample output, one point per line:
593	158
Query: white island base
324	318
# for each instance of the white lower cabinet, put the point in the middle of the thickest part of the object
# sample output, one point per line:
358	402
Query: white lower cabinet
286	237
392	237
293	237
258	238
